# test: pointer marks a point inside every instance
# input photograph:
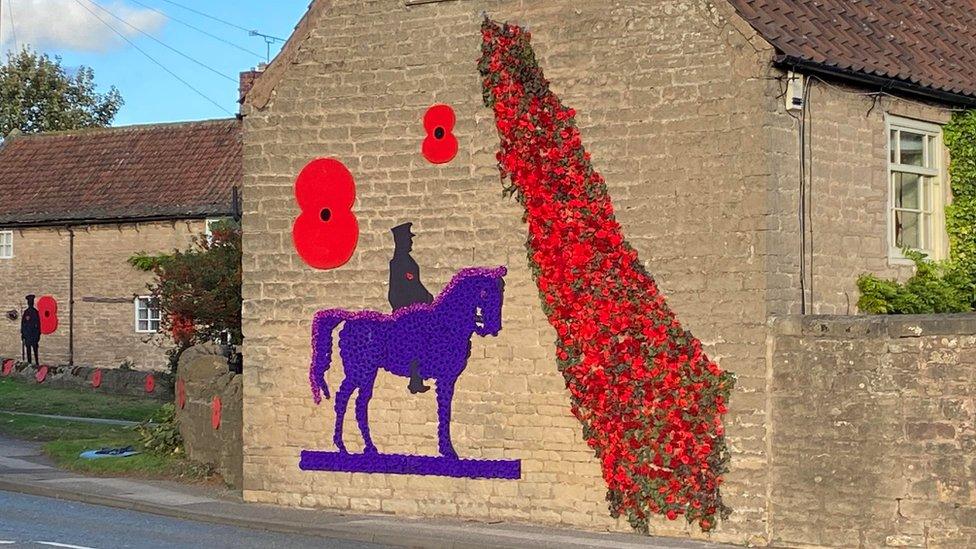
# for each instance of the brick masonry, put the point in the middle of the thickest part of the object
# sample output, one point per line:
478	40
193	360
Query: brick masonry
683	115
872	431
105	286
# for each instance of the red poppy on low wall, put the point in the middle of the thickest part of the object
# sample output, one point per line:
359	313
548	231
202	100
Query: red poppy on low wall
96	379
180	394
41	374
150	383
215	413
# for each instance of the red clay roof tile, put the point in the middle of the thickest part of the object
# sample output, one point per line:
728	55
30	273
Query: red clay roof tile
930	44
176	170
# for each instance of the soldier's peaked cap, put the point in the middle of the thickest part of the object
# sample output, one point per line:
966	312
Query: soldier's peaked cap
402	229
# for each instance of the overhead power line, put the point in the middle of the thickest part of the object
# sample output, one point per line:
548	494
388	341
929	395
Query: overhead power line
198	29
219	20
151	58
13	27
161	43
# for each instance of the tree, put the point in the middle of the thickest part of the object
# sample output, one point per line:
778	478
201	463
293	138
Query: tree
198	289
37	94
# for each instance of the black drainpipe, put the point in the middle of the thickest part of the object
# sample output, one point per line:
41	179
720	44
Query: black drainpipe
71	296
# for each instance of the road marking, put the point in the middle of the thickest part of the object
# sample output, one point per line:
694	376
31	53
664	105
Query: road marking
65	545
5	542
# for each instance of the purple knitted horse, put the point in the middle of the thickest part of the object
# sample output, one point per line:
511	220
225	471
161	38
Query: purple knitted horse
436	336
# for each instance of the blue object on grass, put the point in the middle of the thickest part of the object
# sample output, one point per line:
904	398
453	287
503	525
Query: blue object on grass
109	453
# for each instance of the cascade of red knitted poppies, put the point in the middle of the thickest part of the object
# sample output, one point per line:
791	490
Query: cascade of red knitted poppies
649	400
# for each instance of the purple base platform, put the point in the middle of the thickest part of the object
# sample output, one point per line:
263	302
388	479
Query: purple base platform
401	464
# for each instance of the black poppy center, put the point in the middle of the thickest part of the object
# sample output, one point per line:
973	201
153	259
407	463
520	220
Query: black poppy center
439	133
325	214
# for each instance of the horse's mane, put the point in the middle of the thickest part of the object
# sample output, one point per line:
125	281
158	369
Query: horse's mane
456	280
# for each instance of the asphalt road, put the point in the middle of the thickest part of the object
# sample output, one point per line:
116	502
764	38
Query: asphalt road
29	521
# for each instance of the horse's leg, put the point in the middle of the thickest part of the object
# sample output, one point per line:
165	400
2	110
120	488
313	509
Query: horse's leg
362	412
341	401
445	394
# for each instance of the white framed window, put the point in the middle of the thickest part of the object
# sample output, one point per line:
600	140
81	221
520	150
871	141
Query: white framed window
210	222
916	188
6	244
147	315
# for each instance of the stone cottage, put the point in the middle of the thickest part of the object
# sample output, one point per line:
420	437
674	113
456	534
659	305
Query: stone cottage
760	155
75	205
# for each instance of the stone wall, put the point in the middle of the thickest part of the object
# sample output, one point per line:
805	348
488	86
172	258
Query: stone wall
204	374
105	286
668	95
114	380
873	431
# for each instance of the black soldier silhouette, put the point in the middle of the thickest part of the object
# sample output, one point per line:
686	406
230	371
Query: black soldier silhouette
406	288
30	331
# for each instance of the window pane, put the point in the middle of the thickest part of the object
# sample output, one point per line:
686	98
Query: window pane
893	146
908	187
907	230
143	325
912	149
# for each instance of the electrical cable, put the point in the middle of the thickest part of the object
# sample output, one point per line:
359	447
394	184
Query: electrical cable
165	45
13	28
809	155
151	58
802	204
217	19
198	29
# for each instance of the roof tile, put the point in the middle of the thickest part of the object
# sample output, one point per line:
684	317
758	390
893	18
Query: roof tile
928	43
167	170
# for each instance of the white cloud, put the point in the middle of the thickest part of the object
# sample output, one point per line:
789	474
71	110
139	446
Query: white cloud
66	24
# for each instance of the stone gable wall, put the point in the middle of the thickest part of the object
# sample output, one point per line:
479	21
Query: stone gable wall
668	99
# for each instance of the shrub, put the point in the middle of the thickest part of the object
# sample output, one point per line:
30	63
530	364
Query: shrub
160	434
198	289
936	287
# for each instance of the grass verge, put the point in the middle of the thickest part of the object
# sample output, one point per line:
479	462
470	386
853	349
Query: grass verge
65	454
21	396
46	429
65	440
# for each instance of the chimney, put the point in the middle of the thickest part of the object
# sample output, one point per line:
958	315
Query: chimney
247	80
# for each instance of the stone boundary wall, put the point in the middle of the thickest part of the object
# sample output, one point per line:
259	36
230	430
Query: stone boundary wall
204	374
114	380
872	431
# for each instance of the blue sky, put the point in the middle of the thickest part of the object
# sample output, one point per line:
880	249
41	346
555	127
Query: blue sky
67	29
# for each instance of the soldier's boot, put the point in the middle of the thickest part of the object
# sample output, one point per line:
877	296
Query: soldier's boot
416	382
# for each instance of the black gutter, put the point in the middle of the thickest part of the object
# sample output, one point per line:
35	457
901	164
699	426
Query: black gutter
885	84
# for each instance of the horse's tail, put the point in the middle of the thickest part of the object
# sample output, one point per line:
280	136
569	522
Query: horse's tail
322	327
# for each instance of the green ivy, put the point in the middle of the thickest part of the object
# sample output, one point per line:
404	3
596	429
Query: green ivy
946	286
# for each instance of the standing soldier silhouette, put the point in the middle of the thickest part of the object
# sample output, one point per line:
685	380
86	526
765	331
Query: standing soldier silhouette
30	331
407	289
